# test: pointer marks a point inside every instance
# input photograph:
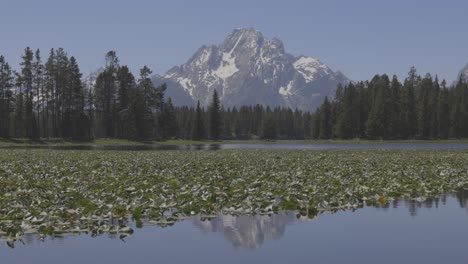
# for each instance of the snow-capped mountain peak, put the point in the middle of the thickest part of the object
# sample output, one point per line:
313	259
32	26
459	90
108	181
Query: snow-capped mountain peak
248	68
309	67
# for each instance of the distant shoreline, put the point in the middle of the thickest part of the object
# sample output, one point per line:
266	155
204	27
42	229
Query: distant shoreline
24	142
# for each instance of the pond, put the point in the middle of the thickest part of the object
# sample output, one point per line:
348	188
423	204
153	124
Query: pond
290	146
435	231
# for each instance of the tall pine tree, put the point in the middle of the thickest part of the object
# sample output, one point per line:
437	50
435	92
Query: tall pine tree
198	128
215	117
6	97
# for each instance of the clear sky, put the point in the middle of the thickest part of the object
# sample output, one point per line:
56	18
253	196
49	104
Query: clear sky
360	38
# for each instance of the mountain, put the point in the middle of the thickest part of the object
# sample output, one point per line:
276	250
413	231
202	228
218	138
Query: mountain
463	74
90	79
248	68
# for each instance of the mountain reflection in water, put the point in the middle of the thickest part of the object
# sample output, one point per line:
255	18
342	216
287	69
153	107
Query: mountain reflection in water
252	231
235	145
248	232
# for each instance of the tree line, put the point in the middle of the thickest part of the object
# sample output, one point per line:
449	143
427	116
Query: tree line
51	100
42	99
384	108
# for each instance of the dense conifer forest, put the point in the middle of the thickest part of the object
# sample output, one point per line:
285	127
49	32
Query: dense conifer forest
49	99
384	108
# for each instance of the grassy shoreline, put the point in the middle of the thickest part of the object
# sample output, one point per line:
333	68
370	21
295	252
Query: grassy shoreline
26	142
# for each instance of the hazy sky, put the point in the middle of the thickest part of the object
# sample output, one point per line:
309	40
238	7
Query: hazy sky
360	38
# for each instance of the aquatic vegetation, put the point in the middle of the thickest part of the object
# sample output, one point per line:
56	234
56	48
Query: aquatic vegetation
55	192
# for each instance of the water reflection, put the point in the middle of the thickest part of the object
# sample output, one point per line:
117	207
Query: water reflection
248	232
143	147
251	232
461	196
156	147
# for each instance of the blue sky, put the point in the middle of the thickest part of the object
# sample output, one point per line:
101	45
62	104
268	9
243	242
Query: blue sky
360	38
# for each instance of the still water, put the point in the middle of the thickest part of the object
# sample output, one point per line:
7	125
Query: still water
246	146
435	231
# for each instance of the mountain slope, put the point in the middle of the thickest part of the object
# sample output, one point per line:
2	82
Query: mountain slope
248	68
463	74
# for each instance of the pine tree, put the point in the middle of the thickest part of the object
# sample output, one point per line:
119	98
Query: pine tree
6	97
38	82
298	128
63	93
269	128
316	124
348	120
459	112
227	124
394	112
378	115
215	117
443	112
148	88
152	100
168	122
89	112
364	107
125	83
25	81
326	124
433	102
408	112
198	128
185	122
424	107
125	120
48	95
141	118
106	96
78	117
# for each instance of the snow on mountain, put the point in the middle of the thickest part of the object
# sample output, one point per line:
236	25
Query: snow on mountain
463	74
248	68
308	67
248	232
90	79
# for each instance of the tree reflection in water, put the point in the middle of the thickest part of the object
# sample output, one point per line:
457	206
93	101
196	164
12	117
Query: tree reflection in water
252	231
413	206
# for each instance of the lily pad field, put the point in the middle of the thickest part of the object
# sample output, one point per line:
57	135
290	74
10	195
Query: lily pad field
60	192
